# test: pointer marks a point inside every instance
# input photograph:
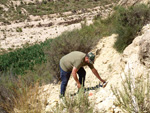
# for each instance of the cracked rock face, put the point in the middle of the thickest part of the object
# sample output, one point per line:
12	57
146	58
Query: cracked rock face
137	55
144	53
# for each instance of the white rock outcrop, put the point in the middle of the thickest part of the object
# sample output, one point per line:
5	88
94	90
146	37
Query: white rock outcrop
111	66
137	55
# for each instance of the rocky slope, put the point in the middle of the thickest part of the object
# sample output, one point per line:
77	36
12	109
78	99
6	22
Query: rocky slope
136	56
107	66
112	66
37	29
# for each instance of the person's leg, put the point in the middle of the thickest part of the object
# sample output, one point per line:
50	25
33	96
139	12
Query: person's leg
64	78
81	72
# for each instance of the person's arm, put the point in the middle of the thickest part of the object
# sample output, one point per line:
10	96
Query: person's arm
74	74
97	75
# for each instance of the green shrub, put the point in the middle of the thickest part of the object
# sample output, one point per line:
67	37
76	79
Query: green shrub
17	95
3	1
15	90
48	7
78	104
134	96
7	84
22	59
18	29
82	40
15	86
129	21
1	10
40	73
6	99
78	40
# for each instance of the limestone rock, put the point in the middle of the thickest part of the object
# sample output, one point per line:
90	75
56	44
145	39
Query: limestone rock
144	53
137	54
107	104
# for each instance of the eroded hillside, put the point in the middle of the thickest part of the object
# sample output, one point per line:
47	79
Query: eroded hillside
38	29
28	22
111	65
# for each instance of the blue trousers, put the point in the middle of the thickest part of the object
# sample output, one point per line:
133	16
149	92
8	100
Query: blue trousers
65	77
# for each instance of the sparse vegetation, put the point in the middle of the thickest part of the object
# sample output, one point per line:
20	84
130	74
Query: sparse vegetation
3	1
78	104
47	7
128	22
1	10
21	60
29	100
78	40
17	96
18	29
134	96
40	62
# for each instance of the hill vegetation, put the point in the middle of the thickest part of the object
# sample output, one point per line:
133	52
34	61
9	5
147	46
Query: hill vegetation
40	62
13	12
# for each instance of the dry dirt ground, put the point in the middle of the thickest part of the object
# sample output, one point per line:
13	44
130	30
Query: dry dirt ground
37	29
107	60
50	26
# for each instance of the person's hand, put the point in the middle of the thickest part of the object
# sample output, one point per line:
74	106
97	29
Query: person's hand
104	84
103	81
79	85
